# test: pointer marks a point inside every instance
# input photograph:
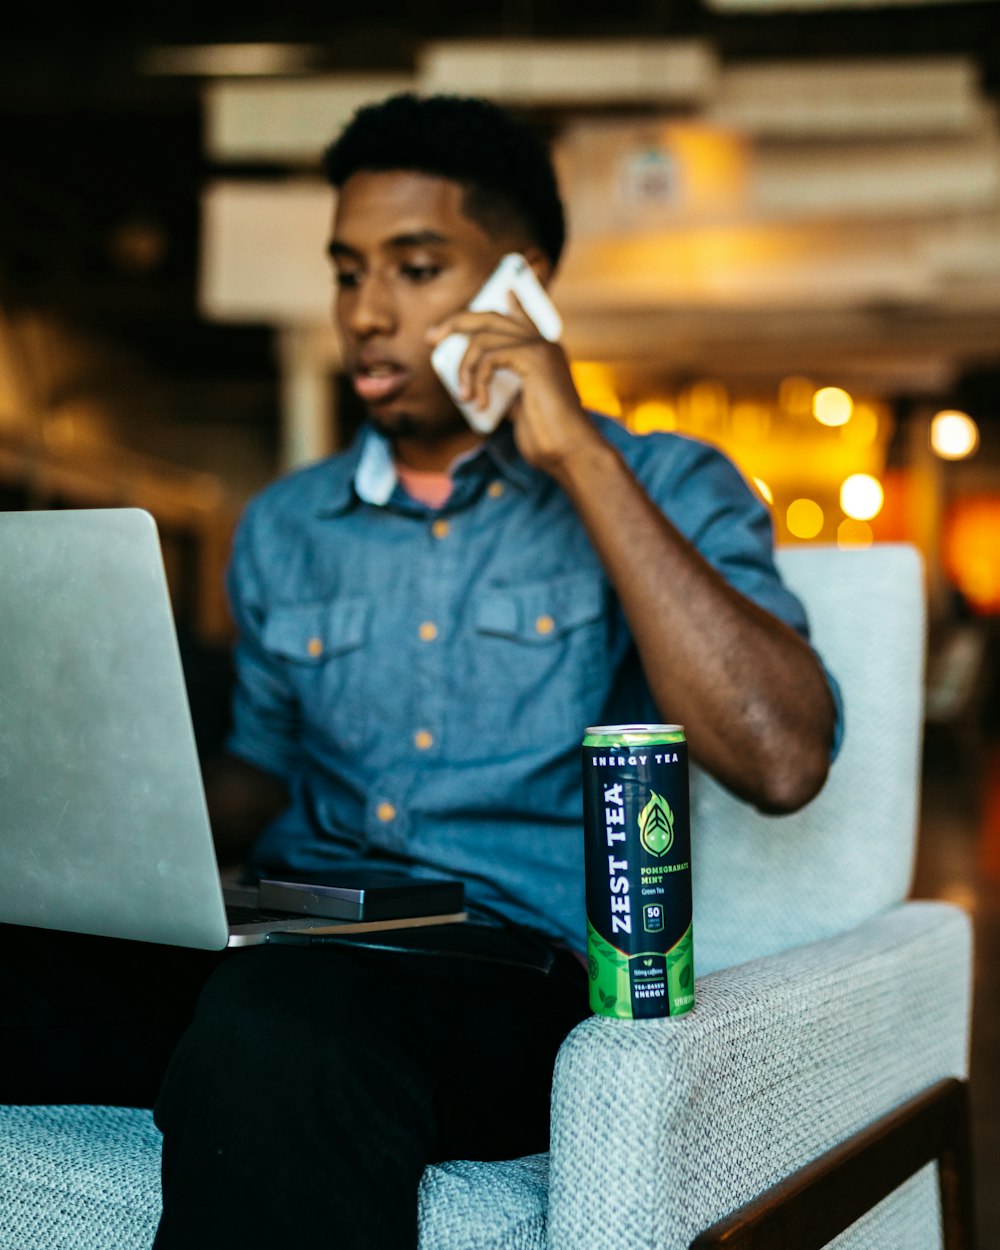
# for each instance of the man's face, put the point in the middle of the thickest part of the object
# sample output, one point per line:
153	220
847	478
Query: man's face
405	257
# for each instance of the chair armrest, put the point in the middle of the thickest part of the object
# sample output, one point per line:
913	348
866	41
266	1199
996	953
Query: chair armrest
660	1128
846	1188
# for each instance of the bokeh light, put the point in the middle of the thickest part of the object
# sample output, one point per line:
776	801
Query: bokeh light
832	406
703	403
954	435
804	518
851	533
862	496
795	395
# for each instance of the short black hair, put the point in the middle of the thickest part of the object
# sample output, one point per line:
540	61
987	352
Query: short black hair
503	164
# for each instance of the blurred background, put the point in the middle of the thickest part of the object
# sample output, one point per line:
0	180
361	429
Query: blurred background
785	237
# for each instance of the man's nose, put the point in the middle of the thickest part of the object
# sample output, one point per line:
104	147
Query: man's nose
371	310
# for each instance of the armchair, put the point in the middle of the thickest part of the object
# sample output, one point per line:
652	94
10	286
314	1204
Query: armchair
825	1004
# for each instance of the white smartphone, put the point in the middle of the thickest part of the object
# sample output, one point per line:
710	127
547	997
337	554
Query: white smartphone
512	274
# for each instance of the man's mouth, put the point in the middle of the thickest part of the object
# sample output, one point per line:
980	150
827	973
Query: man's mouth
380	381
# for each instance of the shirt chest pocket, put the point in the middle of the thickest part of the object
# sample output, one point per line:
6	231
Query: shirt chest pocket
540	670
321	648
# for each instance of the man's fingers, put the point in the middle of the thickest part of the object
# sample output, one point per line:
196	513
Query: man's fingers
482	361
486	353
475	323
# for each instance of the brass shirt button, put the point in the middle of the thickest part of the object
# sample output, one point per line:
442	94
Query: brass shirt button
423	740
545	625
385	812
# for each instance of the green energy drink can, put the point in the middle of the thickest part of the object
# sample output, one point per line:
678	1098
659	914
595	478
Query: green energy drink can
637	831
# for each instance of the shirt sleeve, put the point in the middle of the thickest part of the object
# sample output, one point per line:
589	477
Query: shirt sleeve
265	714
703	493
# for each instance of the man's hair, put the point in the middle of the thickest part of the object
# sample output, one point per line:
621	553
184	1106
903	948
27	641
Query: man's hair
501	162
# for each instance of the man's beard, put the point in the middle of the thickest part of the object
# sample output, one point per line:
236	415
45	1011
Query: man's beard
403	425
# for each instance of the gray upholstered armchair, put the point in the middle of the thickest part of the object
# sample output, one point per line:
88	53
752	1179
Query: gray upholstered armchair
825	1004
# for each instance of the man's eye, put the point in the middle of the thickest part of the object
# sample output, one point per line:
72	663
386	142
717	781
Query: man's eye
419	273
346	279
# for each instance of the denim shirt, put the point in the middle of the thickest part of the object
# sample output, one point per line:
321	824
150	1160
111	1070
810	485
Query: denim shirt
422	678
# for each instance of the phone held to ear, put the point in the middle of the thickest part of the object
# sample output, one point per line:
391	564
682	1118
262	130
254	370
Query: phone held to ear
512	274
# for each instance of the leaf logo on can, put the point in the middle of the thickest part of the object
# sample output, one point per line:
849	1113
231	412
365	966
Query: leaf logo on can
656	826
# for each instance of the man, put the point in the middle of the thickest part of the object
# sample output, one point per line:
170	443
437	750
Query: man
427	624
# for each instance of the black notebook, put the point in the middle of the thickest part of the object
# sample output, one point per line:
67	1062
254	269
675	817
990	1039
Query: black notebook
361	895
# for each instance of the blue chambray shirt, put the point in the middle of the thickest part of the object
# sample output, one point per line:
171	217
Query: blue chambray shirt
422	678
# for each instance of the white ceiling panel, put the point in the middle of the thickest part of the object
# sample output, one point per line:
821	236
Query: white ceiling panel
876	96
548	72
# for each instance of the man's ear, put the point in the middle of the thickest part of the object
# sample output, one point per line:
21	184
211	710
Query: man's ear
539	262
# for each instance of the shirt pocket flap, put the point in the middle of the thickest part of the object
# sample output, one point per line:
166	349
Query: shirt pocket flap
540	612
310	633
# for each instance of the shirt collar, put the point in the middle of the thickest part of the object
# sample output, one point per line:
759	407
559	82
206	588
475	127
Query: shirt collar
375	476
367	471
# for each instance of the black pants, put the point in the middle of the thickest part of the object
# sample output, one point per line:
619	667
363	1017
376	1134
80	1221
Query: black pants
312	1084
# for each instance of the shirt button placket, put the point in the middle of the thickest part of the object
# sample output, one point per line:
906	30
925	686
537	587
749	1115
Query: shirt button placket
430	659
387	821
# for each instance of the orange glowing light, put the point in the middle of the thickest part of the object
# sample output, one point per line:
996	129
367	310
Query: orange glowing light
594	384
749	421
862	428
652	415
971	550
851	534
804	518
796	394
705	403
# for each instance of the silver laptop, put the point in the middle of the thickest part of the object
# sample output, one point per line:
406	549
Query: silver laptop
103	822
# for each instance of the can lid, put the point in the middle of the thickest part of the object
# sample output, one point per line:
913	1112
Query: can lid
635	729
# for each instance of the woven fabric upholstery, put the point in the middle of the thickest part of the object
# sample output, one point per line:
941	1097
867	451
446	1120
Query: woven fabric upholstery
88	1178
763	884
909	1219
78	1178
660	1128
485	1206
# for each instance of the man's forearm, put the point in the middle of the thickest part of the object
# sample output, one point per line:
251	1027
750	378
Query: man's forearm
749	691
754	700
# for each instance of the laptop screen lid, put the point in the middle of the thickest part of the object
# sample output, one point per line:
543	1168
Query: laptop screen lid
103	823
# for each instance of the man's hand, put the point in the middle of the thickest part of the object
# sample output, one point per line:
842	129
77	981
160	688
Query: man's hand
550	426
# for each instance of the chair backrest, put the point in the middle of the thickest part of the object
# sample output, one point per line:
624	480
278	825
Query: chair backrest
765	883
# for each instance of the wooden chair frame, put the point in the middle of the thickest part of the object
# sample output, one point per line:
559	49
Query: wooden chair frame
822	1199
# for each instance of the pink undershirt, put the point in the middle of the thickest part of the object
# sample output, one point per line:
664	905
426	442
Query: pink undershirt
432	489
